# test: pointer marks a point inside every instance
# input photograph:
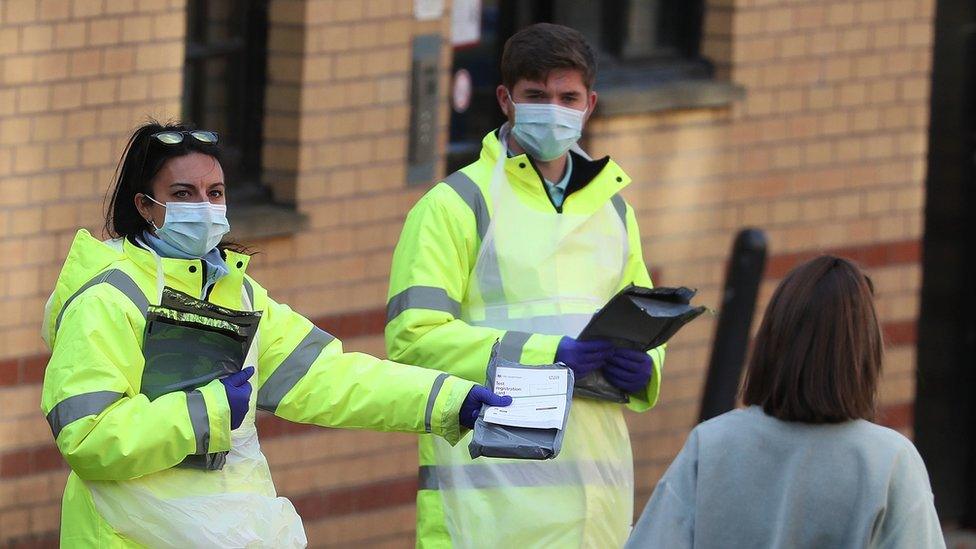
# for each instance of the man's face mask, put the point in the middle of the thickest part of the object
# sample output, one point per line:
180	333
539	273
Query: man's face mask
194	228
544	130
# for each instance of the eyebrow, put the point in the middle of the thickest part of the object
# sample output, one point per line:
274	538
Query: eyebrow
181	184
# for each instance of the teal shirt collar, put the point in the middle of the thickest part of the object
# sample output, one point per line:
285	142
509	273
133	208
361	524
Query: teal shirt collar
557	191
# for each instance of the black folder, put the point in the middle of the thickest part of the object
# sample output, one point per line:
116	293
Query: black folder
187	344
636	318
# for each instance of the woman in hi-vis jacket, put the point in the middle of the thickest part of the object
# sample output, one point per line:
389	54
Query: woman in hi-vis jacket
143	394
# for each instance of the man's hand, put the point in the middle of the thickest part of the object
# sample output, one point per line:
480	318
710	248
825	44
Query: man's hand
582	357
629	370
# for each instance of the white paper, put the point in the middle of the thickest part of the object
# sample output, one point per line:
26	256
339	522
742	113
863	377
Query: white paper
538	398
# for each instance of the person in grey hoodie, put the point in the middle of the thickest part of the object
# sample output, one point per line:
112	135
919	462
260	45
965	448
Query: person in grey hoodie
801	465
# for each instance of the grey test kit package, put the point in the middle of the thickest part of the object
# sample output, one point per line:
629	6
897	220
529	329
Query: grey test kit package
532	426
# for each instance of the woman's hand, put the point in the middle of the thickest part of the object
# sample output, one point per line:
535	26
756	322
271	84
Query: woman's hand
477	396
238	395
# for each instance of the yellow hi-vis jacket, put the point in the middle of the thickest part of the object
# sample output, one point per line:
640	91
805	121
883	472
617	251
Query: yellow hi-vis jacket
107	430
432	268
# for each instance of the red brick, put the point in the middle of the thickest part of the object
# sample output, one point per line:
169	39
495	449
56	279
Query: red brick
31	461
872	255
32	369
897	416
902	332
47	459
355	324
15	464
35	541
270	426
356	499
905	252
9	372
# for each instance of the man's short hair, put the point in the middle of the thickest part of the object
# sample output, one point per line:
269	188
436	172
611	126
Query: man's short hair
534	51
817	355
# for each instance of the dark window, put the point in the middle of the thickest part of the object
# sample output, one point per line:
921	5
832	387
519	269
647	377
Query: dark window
635	30
224	80
637	42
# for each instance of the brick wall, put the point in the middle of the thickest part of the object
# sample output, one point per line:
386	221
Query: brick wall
75	77
826	152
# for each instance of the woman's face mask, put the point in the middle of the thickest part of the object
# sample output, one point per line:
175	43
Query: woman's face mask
194	228
546	131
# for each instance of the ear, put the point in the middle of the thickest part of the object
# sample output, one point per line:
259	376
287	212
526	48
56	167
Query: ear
145	207
501	94
590	106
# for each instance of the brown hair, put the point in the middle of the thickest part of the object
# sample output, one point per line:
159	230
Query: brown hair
534	51
817	355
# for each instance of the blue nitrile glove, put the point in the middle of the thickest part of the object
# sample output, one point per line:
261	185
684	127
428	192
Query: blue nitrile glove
238	395
477	396
629	370
582	357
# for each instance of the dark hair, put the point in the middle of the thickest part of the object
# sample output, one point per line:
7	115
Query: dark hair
141	160
534	51
817	355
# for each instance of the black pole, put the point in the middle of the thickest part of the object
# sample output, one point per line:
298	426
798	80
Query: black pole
742	278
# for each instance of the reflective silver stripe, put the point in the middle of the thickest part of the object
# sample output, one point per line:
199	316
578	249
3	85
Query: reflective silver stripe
249	290
521	474
492	293
197	407
422	297
292	369
512	344
620	205
121	281
435	389
427	478
78	406
469	191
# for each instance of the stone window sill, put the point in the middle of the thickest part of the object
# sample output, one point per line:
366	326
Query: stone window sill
662	85
647	97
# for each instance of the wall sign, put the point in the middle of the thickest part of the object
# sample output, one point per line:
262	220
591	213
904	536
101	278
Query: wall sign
425	10
465	22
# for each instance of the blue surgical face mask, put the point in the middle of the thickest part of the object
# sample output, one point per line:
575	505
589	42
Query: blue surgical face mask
546	131
194	228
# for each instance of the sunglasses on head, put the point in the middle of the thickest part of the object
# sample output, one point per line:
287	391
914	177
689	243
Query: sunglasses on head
176	137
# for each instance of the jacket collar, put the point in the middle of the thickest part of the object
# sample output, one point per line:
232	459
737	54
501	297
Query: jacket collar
592	183
184	275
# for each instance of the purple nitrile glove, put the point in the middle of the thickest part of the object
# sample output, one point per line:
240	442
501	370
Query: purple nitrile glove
629	370
582	357
238	395
477	396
